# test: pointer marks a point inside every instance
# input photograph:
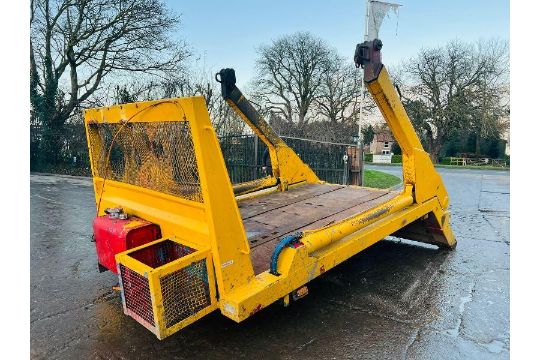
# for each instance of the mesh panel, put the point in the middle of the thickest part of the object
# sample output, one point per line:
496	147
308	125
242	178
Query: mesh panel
154	155
185	292
185	288
137	294
161	253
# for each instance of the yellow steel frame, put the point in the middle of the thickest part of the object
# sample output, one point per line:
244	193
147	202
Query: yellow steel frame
215	225
287	167
155	274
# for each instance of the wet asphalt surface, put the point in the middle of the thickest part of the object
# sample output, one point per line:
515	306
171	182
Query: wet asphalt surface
396	300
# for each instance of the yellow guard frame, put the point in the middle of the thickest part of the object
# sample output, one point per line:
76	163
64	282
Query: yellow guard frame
418	213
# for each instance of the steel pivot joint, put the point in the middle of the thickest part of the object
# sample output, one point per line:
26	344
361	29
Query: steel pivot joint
368	56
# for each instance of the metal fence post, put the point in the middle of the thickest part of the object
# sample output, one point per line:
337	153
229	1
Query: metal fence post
361	165
256	158
345	170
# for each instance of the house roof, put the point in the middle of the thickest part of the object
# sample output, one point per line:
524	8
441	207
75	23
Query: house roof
383	136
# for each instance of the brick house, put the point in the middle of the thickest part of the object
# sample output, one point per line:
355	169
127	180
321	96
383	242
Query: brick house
382	143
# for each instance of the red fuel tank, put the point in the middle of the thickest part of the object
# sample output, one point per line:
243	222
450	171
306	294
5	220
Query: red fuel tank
114	235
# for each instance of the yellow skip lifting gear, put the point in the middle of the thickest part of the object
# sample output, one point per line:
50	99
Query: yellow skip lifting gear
241	248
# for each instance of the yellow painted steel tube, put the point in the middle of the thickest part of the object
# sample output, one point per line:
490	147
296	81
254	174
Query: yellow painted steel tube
317	239
254	185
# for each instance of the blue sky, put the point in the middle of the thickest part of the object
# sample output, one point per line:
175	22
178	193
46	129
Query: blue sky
227	33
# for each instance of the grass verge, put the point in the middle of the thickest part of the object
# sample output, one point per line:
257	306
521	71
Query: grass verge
379	179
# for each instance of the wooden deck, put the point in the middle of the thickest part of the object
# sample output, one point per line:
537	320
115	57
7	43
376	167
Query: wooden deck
270	217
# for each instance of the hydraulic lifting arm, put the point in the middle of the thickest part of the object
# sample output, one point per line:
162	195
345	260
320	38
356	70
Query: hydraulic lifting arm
418	213
287	168
418	170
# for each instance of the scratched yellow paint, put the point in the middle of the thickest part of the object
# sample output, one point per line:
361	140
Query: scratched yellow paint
214	226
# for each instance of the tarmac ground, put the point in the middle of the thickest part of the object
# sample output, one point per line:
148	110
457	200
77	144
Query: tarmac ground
396	300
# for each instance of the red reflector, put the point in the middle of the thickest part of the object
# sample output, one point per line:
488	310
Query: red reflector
297	244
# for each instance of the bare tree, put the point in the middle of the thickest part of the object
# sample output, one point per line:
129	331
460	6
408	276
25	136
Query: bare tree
290	73
490	113
224	118
444	87
490	108
339	96
76	44
201	82
195	82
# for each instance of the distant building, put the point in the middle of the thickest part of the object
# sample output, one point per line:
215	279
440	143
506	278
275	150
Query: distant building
506	137
382	142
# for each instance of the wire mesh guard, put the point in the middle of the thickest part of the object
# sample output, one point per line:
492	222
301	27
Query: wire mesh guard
136	293
161	253
184	290
155	155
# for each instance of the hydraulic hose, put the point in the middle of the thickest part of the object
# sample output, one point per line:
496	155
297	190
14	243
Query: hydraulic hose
283	243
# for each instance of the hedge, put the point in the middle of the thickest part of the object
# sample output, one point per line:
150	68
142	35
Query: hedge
444	161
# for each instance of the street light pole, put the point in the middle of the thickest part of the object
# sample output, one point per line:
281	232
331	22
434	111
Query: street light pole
366	27
362	87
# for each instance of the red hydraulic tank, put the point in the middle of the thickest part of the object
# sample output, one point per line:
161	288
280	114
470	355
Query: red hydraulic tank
114	235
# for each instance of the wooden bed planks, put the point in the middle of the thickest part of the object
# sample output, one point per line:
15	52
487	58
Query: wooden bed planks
350	211
270	217
256	206
270	224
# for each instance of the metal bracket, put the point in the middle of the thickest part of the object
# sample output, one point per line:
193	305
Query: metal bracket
368	56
